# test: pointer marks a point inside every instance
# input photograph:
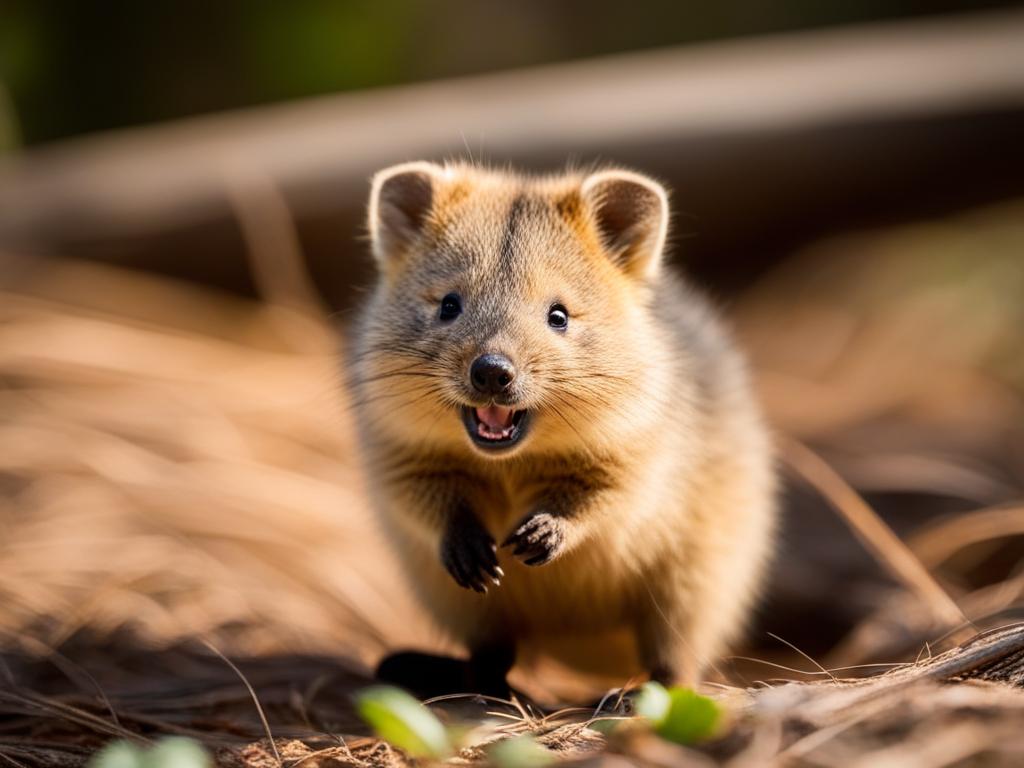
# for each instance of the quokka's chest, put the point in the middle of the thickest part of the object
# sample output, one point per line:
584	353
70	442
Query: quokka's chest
500	502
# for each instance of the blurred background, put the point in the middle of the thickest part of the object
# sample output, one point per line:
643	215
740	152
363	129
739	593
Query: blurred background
182	191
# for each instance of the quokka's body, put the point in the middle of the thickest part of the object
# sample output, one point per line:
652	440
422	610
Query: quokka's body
560	436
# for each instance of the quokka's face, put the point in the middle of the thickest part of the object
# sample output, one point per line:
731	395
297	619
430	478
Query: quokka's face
510	313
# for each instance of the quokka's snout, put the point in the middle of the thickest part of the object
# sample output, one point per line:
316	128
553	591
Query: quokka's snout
492	374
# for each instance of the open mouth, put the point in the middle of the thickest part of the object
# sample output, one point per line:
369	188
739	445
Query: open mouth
495	427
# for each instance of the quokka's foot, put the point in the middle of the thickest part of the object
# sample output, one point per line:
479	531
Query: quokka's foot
469	554
539	539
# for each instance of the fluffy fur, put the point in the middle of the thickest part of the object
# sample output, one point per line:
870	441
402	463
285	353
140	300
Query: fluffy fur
643	491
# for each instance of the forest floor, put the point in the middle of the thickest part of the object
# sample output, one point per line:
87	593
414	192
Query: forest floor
185	546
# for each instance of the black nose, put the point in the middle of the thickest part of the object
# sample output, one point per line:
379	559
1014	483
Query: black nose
491	374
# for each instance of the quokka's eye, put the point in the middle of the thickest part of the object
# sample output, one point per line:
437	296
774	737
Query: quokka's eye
558	317
451	307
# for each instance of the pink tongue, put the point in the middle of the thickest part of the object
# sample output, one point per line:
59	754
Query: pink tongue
495	418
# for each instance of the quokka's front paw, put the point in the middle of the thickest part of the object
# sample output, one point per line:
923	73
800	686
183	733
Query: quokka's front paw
538	539
469	554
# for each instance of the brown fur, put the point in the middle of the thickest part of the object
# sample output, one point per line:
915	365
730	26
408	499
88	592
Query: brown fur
646	456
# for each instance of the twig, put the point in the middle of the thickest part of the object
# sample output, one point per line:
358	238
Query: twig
275	253
805	655
255	699
68	668
872	531
12	761
939	541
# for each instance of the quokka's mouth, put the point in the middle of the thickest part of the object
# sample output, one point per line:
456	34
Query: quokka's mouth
495	427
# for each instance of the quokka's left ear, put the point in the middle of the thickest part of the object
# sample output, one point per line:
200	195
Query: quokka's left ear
631	214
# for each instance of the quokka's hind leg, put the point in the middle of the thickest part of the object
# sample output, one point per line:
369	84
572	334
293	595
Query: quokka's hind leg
429	675
489	665
666	644
684	633
669	662
426	675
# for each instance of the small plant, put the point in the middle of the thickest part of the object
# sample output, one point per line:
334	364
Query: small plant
401	720
172	752
519	752
678	714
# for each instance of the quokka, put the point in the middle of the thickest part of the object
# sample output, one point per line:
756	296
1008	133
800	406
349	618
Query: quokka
560	434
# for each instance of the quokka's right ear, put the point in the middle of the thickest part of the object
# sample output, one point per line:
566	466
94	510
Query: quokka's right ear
400	202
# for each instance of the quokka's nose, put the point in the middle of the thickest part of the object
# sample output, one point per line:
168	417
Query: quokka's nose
492	374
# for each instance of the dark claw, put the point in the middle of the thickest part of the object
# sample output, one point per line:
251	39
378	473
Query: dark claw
469	554
538	539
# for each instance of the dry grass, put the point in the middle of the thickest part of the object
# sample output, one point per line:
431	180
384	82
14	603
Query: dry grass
178	466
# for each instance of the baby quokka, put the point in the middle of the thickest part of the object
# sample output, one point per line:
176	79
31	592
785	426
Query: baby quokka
560	435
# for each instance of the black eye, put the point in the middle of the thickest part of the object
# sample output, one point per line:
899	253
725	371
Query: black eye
558	317
451	307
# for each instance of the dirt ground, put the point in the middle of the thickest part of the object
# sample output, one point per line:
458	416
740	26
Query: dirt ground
179	488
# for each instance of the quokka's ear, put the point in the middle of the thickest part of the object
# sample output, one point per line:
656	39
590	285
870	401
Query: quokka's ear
400	201
631	214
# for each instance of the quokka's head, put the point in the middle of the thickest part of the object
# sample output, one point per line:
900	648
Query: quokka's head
511	313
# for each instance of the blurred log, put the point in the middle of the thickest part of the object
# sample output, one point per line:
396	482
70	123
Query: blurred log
768	143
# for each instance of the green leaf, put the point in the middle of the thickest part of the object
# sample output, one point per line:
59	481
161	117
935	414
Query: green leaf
177	752
519	752
606	725
172	752
118	754
690	718
653	702
401	720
